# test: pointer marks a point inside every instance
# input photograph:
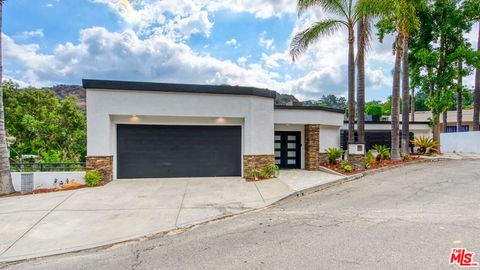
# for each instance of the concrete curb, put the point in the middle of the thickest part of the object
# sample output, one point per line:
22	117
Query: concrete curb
186	227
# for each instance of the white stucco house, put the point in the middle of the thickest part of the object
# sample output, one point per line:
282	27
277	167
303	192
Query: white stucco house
156	130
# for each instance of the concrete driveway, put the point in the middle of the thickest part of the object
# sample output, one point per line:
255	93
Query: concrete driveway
54	223
407	218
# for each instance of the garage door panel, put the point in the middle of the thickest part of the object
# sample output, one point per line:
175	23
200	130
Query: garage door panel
146	151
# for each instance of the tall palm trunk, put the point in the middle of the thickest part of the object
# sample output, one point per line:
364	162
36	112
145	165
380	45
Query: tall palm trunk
6	186
351	84
459	96
406	99
476	106
445	121
361	82
396	97
412	105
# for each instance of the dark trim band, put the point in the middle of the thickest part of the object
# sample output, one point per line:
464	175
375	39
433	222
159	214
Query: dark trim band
313	108
178	88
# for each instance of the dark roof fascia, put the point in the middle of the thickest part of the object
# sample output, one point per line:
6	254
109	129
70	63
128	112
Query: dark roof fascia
177	88
389	122
312	108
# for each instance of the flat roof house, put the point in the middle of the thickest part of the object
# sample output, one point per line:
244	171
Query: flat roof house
156	130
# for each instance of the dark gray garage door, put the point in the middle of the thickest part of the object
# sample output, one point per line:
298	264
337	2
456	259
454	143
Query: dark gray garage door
150	151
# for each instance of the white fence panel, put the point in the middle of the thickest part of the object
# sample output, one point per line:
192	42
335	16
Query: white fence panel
460	142
46	179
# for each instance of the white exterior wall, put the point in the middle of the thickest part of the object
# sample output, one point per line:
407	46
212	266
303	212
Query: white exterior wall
106	108
290	116
301	128
329	137
417	129
46	179
461	142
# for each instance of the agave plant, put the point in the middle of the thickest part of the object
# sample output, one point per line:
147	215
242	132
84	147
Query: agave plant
334	154
425	144
383	151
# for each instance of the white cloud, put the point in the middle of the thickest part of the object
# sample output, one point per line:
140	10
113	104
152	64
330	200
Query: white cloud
265	42
110	55
232	42
30	34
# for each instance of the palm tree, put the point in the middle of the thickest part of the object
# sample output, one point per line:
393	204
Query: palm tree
346	11
476	105
459	95
402	13
6	186
363	38
405	98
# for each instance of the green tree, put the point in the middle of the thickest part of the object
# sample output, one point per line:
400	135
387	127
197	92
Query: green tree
438	57
6	185
345	14
42	125
374	108
472	13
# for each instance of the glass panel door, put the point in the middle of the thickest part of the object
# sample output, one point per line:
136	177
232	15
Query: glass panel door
287	149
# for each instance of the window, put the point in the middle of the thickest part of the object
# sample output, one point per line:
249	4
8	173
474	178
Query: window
453	129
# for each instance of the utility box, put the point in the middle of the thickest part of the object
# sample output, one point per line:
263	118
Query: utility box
356	149
27	183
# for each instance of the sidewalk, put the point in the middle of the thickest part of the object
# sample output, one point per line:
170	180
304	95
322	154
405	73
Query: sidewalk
54	223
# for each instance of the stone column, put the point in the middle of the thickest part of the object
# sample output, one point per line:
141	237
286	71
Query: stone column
102	164
312	147
259	162
358	161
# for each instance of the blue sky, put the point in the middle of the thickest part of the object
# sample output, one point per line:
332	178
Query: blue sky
182	41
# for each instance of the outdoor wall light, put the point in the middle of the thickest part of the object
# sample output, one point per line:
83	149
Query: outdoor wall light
135	118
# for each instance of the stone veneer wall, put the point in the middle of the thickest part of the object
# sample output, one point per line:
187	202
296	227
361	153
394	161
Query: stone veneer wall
312	147
322	158
358	161
103	164
259	162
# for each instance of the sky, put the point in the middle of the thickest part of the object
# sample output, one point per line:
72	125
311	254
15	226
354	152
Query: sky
235	42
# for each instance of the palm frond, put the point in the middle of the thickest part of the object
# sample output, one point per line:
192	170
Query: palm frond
302	40
335	7
375	8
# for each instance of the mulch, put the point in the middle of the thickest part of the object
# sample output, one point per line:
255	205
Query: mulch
377	165
49	190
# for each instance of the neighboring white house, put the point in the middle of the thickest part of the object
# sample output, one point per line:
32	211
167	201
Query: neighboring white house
154	130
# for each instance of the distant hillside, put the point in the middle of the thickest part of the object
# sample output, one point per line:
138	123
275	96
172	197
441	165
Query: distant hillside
283	99
63	90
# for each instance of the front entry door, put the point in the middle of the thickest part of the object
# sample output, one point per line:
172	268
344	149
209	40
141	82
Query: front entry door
287	149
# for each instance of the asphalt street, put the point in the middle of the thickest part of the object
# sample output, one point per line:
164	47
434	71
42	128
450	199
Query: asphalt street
407	218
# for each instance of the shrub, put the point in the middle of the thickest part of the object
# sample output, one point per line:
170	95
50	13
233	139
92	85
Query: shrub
370	160
334	154
383	151
92	178
269	172
346	166
272	170
425	144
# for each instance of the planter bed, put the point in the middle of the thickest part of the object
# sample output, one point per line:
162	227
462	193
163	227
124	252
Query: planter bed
378	165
